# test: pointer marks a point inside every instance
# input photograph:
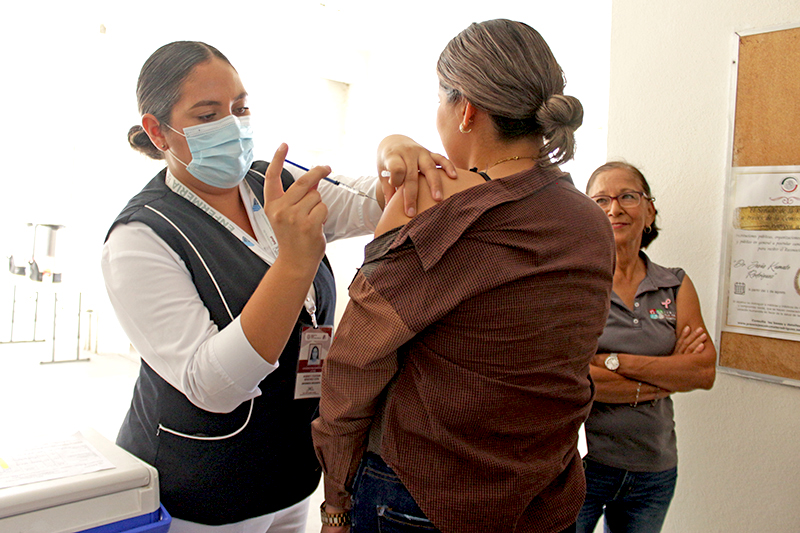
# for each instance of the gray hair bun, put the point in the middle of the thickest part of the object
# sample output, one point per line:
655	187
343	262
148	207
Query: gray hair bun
559	117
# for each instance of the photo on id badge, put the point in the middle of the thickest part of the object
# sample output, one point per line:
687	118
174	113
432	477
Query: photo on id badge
314	346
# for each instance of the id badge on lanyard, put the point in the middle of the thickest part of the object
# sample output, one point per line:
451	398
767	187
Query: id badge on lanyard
314	346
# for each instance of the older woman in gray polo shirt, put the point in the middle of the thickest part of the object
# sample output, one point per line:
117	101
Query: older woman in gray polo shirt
654	344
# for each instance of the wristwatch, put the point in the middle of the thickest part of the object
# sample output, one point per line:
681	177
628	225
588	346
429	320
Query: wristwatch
612	362
333	519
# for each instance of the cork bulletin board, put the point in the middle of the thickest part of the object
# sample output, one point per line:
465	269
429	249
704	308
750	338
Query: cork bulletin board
760	270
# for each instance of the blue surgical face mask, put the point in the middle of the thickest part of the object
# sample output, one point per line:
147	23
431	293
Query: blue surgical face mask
222	151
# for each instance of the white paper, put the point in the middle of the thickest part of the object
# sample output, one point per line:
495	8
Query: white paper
52	460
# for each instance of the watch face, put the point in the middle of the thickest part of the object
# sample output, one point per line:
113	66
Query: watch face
612	362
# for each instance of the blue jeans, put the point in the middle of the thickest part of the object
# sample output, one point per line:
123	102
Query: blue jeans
634	502
382	504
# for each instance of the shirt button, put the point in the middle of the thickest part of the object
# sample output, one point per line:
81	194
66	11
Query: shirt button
636	304
635	320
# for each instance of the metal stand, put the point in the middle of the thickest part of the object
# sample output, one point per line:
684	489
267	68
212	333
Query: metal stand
13	316
77	346
90	344
42	268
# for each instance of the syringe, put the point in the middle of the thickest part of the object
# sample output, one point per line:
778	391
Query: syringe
338	183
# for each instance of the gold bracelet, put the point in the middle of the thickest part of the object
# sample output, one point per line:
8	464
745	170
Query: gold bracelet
638	390
333	519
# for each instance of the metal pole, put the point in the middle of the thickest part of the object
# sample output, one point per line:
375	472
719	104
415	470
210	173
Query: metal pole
35	314
78	344
13	310
55	310
88	345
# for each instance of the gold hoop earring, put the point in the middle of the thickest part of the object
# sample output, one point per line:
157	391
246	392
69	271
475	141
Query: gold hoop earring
462	130
648	229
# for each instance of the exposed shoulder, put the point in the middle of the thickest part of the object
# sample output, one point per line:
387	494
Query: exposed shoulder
394	214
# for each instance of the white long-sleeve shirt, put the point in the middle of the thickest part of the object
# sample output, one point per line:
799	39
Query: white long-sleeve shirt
159	308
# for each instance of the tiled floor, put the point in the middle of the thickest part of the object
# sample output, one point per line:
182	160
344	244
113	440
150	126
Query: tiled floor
47	401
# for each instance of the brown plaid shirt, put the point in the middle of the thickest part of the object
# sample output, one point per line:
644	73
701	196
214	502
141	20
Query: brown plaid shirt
484	312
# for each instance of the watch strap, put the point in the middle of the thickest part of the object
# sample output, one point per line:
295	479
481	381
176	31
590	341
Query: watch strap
333	519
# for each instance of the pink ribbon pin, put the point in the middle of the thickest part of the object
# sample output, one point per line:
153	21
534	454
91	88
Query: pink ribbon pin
666	303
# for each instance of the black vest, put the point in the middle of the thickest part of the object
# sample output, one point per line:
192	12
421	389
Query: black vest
270	464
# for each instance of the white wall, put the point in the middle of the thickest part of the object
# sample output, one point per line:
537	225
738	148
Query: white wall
738	445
